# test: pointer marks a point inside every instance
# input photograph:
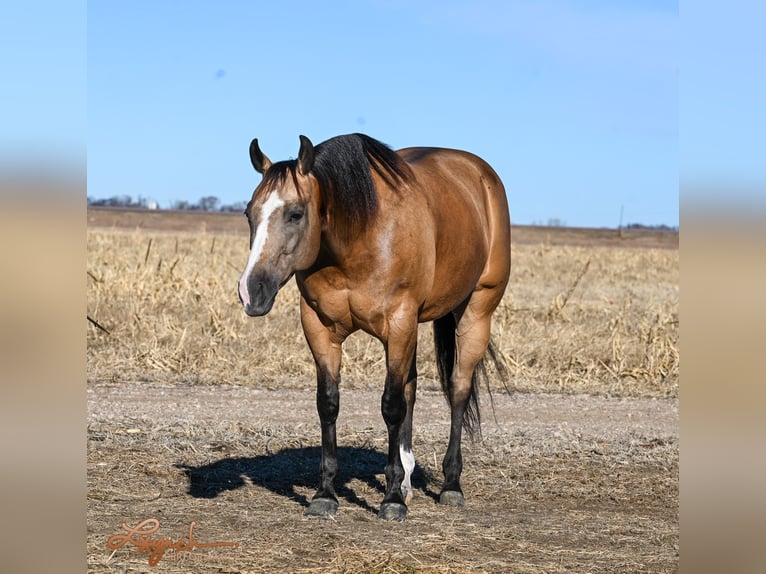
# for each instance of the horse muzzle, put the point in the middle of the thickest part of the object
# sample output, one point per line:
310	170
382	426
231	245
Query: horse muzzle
260	296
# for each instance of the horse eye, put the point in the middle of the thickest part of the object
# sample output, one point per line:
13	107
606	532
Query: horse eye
294	216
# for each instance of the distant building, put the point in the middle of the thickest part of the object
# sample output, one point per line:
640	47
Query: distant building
151	204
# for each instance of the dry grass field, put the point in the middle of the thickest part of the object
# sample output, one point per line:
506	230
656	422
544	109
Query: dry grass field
576	318
197	412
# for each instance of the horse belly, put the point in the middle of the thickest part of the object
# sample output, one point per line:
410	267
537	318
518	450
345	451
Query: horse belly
446	297
457	272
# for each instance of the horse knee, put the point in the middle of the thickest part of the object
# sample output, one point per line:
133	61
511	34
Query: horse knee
460	391
328	402
393	407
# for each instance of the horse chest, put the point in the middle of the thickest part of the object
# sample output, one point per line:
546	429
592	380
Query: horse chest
346	306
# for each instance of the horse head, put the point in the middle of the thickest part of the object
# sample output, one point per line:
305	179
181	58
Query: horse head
285	226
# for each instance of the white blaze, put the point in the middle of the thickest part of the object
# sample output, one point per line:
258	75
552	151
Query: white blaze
273	203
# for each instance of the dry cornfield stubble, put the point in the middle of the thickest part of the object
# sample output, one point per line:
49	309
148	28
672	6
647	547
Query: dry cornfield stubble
575	319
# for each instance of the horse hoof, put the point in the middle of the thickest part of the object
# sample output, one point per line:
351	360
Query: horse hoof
408	495
322	507
392	511
451	498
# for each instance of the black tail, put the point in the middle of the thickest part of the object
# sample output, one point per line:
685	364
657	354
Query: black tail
444	341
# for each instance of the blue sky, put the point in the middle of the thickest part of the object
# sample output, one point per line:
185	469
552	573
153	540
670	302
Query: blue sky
723	100
43	84
581	105
575	104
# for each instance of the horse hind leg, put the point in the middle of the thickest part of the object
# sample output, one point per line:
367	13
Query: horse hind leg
471	339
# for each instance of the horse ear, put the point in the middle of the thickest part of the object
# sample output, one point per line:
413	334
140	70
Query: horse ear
260	162
305	156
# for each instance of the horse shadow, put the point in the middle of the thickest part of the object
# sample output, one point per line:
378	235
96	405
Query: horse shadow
285	471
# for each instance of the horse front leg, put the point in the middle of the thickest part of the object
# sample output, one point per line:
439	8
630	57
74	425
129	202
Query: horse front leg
405	433
400	356
326	349
325	501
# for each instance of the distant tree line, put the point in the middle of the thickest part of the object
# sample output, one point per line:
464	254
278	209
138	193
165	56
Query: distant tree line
662	227
119	201
207	203
212	203
556	222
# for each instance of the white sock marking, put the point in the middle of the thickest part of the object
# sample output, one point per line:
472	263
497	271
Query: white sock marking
408	462
273	203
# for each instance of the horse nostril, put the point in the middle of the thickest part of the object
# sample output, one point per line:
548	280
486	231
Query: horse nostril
258	292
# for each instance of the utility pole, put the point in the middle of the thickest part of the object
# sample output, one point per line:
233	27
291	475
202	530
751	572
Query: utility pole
619	228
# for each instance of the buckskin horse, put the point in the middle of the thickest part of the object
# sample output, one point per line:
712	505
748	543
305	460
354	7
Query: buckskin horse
381	240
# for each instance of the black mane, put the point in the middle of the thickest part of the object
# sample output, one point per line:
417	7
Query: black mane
277	173
342	167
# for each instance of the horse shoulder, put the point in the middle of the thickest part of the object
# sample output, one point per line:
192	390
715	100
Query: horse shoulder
327	293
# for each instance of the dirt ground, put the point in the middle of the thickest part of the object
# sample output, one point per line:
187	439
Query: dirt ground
558	483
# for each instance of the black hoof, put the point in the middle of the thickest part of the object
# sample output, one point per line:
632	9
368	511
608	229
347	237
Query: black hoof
392	511
451	498
324	507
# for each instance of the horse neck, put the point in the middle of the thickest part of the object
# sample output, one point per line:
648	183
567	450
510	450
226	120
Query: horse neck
332	250
335	251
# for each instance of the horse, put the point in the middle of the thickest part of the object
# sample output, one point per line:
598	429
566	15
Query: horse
380	240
